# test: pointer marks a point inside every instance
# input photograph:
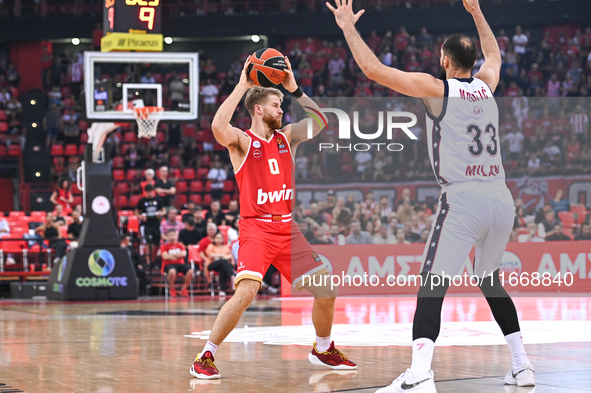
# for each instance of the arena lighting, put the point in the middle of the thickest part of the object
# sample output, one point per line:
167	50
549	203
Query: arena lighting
33	102
34	125
37	174
168	40
75	41
255	38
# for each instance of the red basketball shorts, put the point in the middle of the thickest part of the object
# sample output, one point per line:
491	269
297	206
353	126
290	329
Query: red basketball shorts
263	243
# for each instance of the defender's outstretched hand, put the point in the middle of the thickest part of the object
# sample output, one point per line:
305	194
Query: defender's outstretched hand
343	13
289	81
472	6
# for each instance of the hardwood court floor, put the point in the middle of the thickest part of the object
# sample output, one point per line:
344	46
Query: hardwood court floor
148	346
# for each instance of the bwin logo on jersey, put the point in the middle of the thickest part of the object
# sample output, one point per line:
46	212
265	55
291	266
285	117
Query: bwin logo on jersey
390	118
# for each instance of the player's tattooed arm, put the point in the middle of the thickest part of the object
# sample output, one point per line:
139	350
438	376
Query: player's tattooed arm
413	84
298	132
491	68
224	133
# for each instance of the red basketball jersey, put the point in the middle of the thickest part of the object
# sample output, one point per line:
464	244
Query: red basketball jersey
265	178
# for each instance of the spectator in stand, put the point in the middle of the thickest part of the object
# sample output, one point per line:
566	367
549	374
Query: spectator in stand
330	203
217	175
210	92
50	231
149	173
363	161
401	237
409	235
233	212
424	235
134	160
383	237
521	217
190	212
190	234
520	42
63	196
215	213
4	228
200	222
314	215
405	196
547	226
74	229
210	232
149	210
580	124
405	211
51	125
164	187
140	273
533	164
556	234
540	214
173	262
357	236
308	231
69	126
219	258
559	204
585	232
514	140
531	235
233	231
171	222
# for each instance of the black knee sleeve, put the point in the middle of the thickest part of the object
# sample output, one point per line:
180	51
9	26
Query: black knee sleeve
500	303
427	319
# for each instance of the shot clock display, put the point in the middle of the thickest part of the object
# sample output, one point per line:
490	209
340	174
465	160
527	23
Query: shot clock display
131	16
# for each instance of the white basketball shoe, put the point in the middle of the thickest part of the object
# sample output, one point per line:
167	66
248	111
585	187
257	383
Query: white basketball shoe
411	383
521	377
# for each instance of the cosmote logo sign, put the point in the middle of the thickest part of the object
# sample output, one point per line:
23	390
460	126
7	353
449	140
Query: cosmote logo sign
101	264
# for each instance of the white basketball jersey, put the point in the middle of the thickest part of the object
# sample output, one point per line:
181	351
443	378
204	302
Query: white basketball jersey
464	141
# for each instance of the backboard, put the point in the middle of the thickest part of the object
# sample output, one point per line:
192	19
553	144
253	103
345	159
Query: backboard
115	82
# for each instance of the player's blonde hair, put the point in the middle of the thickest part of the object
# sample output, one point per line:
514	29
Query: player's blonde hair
257	95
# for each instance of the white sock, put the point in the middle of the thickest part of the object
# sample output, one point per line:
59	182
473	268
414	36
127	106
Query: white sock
211	347
322	343
515	342
422	355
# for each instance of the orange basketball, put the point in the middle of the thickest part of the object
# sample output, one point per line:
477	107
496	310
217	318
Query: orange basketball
267	67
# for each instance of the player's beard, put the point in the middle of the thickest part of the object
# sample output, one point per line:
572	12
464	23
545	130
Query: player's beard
273	122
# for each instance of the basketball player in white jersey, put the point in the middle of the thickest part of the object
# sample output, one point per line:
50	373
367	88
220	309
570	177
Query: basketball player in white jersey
475	207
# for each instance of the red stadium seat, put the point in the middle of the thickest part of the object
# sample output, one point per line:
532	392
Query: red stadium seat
133	201
122	187
193	255
175	161
207	186
202	173
568	219
175	173
196	186
3	116
118	175
14	150
189	131
3	150
71	150
121	202
3	126
16	214
133	224
118	162
181	187
38	216
57	150
225	201
131	174
228	186
130	137
196	199
188	173
205	161
83	126
181	200
77	200
81	148
578	209
207	199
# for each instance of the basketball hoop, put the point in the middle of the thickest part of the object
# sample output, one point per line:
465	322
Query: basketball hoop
147	118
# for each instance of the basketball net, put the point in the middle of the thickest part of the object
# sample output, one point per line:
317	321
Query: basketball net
147	118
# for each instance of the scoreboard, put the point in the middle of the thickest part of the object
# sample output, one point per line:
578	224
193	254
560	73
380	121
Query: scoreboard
127	16
131	25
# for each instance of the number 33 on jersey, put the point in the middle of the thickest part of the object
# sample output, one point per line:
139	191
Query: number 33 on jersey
464	141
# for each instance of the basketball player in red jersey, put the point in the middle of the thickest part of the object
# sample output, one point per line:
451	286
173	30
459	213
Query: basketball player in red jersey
262	158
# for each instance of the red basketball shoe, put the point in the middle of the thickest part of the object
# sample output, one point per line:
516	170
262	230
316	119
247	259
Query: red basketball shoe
331	358
203	368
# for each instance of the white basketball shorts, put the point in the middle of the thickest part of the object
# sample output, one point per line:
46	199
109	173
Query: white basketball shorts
470	214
